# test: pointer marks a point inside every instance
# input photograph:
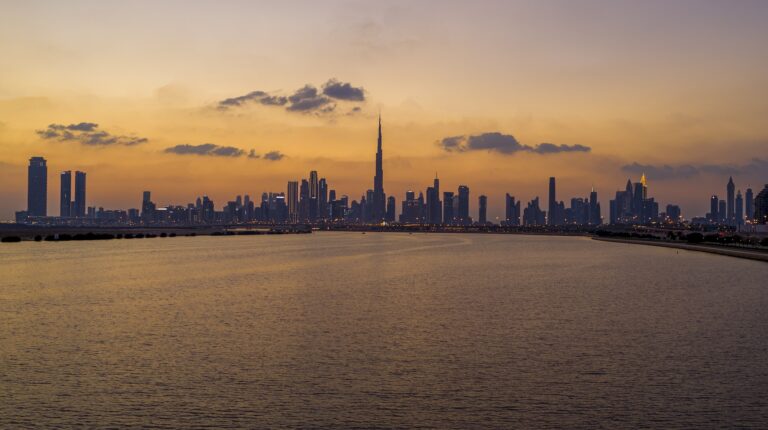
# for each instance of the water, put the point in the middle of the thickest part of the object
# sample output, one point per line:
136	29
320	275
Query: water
380	330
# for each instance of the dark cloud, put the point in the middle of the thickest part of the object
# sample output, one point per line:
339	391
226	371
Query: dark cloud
213	150
502	143
306	99
274	156
87	133
551	148
209	149
255	97
238	101
343	91
274	100
685	171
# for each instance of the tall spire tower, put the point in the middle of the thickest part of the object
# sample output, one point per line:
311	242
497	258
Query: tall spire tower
379	198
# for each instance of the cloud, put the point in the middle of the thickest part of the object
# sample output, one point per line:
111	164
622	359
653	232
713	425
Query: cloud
343	91
274	156
684	171
306	99
551	148
254	96
87	133
209	149
213	150
504	144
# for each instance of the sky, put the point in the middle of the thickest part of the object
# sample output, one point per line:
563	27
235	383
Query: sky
226	98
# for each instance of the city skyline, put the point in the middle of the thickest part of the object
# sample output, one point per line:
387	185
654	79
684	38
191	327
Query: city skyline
314	201
677	104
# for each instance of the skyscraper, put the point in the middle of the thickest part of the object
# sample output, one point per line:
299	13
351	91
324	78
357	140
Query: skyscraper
304	201
65	197
512	211
482	210
738	212
595	217
322	199
552	210
448	217
749	205
313	184
379	197
761	206
463	212
729	214
293	201
722	211
434	207
714	208
148	208
79	195
37	187
390	209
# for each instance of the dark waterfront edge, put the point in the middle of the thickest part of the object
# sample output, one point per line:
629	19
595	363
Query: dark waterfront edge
749	254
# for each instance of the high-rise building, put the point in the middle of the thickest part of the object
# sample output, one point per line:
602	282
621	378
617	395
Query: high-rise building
434	207
749	205
79	205
65	197
378	204
482	210
721	211
313	183
148	208
448	217
412	211
730	216
761	206
390	209
551	220
512	211
738	212
37	187
595	217
293	201
533	215
714	209
322	199
304	201
463	213
673	213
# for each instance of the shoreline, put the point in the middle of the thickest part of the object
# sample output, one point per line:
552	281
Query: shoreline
749	254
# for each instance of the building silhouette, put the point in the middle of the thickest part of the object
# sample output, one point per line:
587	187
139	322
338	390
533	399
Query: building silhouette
761	206
551	220
379	198
730	216
511	211
533	215
65	196
434	206
482	209
749	205
448	214
79	203
738	212
37	187
462	214
293	201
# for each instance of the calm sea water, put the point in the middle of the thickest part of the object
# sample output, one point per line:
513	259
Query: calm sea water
380	330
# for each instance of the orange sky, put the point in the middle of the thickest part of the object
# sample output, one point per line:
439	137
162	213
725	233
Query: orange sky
677	87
